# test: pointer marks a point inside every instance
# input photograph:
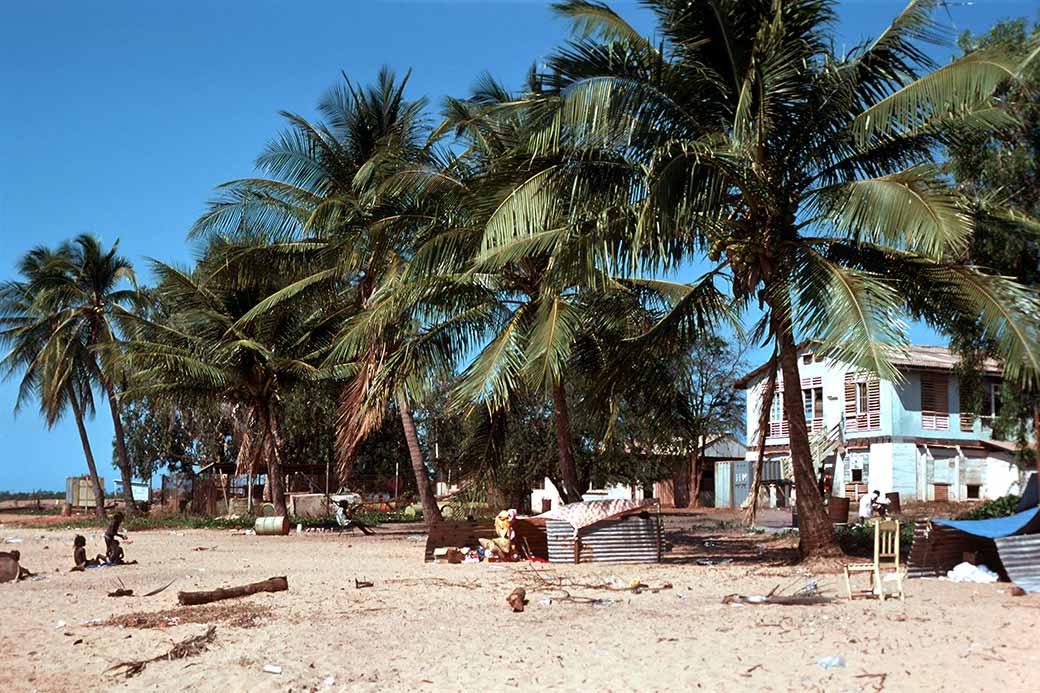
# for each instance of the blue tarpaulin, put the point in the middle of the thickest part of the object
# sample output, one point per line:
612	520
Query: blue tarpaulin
996	527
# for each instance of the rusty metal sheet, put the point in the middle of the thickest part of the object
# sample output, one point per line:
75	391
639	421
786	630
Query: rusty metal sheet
938	548
630	539
1021	558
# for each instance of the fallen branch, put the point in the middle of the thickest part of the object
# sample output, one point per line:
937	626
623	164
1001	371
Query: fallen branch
157	591
880	685
275	584
796	600
185	648
121	591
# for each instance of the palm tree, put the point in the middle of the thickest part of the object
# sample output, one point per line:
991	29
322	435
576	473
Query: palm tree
87	298
524	292
208	348
56	369
329	200
806	175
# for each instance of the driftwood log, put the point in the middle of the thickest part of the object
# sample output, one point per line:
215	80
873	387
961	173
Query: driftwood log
275	584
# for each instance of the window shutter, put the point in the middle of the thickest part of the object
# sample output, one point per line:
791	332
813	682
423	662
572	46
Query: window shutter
935	403
873	403
869	420
850	402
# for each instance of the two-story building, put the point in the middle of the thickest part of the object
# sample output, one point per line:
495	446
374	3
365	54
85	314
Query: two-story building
909	436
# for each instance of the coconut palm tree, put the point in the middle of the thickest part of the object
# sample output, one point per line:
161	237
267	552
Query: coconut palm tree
56	369
333	214
206	350
85	294
524	293
807	175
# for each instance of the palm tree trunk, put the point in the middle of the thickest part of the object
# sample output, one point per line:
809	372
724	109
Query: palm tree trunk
571	492
696	474
815	531
120	439
431	513
274	460
99	493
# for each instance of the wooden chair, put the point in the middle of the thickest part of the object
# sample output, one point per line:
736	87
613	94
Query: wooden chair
886	558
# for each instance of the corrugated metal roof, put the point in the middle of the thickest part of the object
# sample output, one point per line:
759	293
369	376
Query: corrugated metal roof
916	356
631	539
1021	558
937	357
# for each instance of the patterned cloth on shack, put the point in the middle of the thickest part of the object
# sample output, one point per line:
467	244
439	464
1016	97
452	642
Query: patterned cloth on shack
587	513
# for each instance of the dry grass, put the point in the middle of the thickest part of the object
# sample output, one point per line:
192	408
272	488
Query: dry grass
239	615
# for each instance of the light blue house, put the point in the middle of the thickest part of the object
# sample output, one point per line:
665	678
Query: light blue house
909	436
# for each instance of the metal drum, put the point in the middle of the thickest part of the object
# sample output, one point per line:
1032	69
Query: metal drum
272	525
838	509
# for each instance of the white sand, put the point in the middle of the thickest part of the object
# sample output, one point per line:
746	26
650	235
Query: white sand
420	627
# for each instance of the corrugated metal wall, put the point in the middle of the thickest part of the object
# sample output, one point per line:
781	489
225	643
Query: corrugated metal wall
741	481
1021	558
723	484
630	539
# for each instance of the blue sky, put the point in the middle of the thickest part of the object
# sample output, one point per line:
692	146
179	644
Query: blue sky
119	118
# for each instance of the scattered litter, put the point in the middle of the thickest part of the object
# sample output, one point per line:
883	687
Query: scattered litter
713	561
832	662
272	669
966	572
13	540
329	681
362	584
416	537
59	624
547	601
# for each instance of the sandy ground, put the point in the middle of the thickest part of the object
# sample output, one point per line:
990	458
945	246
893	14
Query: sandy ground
447	627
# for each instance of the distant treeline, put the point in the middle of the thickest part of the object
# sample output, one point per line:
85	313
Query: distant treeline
30	495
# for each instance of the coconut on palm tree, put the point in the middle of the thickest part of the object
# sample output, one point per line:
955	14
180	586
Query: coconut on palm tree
808	176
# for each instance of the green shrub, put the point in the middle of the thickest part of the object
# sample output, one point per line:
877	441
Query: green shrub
858	539
999	507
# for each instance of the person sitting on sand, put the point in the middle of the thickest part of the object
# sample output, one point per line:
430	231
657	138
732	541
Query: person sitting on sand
79	555
10	568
